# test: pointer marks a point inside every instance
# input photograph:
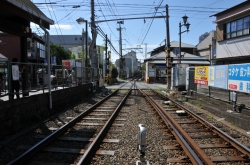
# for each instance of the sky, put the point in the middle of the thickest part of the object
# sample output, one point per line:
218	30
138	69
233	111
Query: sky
137	32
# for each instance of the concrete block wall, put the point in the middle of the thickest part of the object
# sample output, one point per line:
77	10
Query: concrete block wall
17	113
219	108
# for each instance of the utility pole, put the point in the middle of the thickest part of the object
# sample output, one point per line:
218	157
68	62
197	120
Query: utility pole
93	53
167	50
120	48
145	49
105	60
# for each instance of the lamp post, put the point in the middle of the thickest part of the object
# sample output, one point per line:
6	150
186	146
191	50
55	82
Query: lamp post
185	23
80	21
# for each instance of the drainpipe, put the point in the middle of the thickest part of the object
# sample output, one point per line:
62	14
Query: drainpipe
48	58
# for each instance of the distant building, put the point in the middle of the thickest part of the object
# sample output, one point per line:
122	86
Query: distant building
175	47
131	65
205	47
156	64
72	43
203	36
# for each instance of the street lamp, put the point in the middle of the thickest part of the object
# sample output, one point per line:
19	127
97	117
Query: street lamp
80	21
185	23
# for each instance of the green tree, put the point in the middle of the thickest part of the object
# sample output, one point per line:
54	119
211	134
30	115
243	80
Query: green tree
114	71
143	67
80	54
60	53
73	56
88	59
101	64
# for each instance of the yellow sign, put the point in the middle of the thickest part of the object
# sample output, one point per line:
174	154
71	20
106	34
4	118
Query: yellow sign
201	75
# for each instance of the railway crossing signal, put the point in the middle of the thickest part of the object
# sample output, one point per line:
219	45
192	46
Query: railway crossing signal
169	61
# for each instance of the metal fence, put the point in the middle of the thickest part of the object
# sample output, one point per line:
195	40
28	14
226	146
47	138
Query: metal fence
18	79
218	93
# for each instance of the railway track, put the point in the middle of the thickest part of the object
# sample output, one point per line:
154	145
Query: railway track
79	137
107	133
203	142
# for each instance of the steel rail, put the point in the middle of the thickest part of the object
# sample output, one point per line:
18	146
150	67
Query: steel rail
237	145
193	151
43	143
86	158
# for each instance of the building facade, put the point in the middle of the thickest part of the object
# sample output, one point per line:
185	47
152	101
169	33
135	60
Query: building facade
233	35
131	65
156	64
69	41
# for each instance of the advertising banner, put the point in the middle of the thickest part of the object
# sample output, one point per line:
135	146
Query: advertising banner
239	77
218	76
66	64
211	76
201	75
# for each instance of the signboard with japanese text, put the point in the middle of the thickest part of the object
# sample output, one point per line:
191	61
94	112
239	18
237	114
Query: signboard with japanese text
211	76
239	77
218	76
201	75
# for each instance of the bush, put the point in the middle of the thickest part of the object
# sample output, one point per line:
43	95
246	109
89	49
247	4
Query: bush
114	73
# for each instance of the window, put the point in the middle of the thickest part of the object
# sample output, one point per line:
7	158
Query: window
246	25
237	28
228	30
233	29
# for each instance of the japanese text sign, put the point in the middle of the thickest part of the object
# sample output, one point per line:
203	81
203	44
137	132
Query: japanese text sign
218	76
201	75
239	77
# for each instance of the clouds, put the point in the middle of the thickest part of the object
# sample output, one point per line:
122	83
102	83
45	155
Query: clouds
62	26
55	26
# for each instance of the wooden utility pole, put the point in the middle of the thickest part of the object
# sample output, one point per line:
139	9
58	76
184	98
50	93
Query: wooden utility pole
167	50
120	49
93	53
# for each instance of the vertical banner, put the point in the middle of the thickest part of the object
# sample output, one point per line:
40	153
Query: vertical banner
211	76
220	80
239	77
218	76
201	75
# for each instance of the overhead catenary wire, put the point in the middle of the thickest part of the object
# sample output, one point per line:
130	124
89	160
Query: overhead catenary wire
110	10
